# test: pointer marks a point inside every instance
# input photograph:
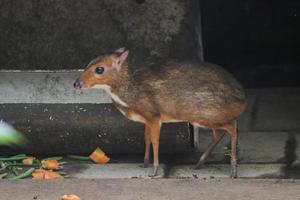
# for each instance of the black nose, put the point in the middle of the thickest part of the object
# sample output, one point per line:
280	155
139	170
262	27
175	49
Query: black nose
77	84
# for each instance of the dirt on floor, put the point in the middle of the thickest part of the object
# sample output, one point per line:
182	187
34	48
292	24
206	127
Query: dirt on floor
142	189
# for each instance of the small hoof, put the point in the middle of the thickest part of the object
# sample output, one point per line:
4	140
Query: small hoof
200	164
146	164
233	170
142	166
151	175
155	169
233	175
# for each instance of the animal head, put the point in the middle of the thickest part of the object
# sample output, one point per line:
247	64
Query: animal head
100	71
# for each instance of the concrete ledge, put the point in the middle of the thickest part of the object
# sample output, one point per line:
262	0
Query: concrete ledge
208	171
45	87
257	147
113	171
223	171
272	109
80	128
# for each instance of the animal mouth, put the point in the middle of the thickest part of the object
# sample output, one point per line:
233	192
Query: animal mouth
78	85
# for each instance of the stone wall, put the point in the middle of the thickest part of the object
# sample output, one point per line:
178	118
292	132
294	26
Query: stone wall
63	34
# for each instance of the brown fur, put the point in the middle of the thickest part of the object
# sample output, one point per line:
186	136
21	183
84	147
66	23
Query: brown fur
200	93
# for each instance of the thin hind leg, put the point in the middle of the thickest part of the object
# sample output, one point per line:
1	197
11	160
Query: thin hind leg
154	129
231	128
217	136
147	146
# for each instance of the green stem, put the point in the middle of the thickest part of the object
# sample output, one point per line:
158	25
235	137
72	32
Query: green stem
24	175
23	165
15	171
76	157
12	158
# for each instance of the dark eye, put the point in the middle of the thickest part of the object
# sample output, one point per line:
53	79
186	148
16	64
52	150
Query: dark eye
99	70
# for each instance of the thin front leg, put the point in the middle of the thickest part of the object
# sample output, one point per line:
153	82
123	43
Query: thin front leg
154	135
147	146
233	160
232	130
217	136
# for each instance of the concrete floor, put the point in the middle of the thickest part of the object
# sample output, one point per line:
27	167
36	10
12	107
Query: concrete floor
143	189
131	181
88	170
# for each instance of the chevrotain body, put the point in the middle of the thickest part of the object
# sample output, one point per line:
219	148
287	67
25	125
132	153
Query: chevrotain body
201	93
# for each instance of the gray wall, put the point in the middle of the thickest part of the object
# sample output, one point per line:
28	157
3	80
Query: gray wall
64	34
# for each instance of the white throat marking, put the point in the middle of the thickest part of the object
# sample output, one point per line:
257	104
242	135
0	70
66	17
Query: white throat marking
115	97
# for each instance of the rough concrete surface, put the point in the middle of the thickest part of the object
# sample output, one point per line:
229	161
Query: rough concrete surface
223	171
274	109
113	171
46	87
130	189
257	147
80	128
208	171
62	34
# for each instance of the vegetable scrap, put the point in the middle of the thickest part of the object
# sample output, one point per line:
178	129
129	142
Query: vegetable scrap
28	161
70	197
27	173
98	156
41	174
50	164
22	166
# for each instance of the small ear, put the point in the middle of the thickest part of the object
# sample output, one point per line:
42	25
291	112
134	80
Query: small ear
120	50
121	58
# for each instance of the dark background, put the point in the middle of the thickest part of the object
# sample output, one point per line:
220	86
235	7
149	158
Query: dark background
257	40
